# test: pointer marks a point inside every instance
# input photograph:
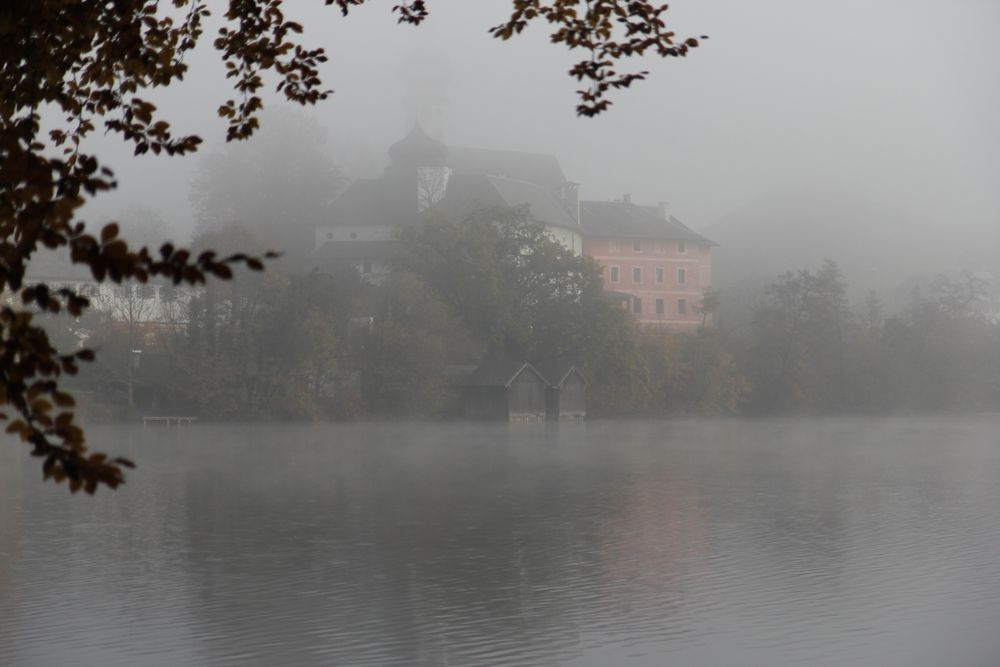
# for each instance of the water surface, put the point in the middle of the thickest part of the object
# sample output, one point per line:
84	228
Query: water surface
629	543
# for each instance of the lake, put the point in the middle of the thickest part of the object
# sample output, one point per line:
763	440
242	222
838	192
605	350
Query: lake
860	542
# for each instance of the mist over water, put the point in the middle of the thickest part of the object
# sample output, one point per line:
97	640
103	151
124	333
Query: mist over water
641	543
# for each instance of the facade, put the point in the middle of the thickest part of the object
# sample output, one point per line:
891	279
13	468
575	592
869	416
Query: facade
660	266
654	264
149	306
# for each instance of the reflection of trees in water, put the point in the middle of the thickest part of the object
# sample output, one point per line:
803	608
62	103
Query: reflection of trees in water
419	550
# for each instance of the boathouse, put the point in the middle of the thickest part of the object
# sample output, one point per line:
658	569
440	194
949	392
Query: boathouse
503	389
565	393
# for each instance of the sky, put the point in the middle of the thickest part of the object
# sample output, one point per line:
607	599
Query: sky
886	105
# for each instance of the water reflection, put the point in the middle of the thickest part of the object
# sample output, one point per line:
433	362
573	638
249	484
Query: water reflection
643	543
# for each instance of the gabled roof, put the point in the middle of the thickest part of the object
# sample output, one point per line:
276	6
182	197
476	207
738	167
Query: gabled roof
555	371
628	220
468	191
542	170
374	201
498	373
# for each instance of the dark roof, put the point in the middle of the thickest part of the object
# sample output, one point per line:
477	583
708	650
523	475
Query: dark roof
374	201
555	371
418	149
627	220
542	170
468	191
498	373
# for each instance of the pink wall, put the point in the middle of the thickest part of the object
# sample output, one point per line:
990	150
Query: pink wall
696	262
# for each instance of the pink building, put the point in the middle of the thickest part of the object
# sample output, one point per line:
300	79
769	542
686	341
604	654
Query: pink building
660	266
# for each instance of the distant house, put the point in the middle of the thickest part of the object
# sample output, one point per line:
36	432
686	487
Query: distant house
663	265
566	393
425	175
149	306
503	389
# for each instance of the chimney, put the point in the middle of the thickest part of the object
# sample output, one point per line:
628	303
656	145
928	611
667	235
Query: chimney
627	198
664	208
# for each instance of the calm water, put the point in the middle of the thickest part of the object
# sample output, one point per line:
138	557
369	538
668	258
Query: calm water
731	543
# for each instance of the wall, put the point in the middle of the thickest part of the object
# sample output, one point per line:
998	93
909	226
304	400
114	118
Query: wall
358	233
568	238
696	261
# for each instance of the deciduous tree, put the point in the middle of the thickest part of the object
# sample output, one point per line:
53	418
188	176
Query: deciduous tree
89	65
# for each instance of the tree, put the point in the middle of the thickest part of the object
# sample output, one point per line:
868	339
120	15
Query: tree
521	293
512	285
796	357
88	63
277	187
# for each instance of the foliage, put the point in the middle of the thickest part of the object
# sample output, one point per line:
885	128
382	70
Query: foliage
88	64
519	292
400	352
795	355
277	186
806	352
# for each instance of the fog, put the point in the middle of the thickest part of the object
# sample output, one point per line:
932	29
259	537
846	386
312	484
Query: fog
712	378
629	543
860	127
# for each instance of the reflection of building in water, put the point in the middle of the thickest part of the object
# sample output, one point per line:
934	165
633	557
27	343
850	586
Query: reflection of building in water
655	540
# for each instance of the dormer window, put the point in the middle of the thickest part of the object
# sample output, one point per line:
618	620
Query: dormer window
637	246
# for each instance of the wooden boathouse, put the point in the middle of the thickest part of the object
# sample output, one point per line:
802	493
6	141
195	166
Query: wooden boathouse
504	390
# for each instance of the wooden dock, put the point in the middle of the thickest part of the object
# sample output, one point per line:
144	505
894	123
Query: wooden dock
169	421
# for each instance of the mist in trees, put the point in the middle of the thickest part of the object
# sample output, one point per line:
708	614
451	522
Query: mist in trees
277	187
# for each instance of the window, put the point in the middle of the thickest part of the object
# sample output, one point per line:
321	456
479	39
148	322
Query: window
354	235
660	307
329	236
681	277
613	246
147	291
682	306
659	275
681	248
637	246
366	266
636	274
637	305
615	274
659	247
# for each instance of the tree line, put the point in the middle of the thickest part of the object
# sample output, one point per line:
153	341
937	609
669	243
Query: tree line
324	343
